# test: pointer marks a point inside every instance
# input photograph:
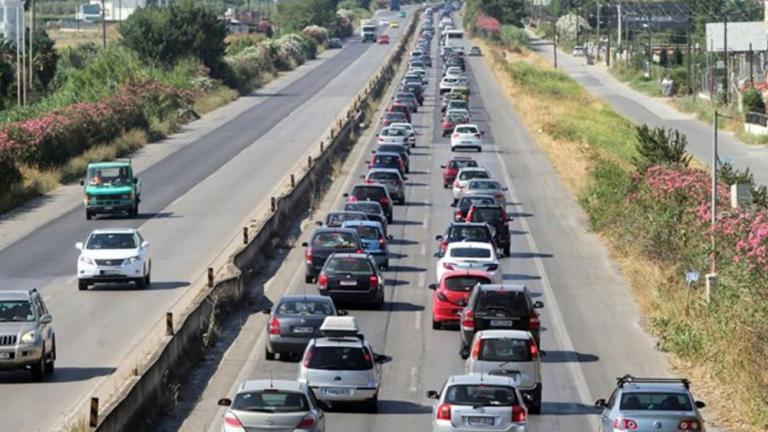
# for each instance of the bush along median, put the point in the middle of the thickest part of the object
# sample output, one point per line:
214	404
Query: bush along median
650	201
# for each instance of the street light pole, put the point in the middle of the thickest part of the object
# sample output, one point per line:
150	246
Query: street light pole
103	25
713	204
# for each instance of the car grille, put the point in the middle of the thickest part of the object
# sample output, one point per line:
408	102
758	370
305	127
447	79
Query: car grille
115	199
6	340
112	262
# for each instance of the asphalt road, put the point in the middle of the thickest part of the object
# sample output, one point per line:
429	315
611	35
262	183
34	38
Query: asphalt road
193	203
592	331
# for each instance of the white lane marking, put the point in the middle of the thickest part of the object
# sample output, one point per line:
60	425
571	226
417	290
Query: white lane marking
414	379
71	280
422	279
425	221
424	249
417	321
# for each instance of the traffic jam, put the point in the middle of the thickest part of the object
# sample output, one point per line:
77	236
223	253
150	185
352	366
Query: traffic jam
497	324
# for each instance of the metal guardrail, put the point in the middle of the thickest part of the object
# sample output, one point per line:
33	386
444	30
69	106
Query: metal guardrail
756	118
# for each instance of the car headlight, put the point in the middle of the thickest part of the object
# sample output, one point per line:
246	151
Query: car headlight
125	196
132	260
29	337
86	260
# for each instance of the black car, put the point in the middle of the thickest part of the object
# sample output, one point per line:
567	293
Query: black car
324	242
417	90
466	202
408	98
495	216
464	231
293	321
352	277
372	192
396	148
499	307
373	209
335	219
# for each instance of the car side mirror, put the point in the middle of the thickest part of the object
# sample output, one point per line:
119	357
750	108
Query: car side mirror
380	358
700	404
538	305
442	166
144	244
600	403
433	394
464	353
46	319
345	195
224	402
437	255
79	246
362	177
504	189
453	205
267	311
319	223
342	313
482	132
432	286
135	180
82	182
390	237
305	244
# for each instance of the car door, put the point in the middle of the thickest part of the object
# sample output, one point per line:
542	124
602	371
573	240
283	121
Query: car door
44	329
605	416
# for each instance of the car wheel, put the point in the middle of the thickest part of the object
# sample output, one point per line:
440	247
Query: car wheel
535	407
506	251
50	365
309	279
148	278
386	264
88	215
453	150
82	285
479	149
463	351
38	370
390	219
267	354
436	325
140	283
372	406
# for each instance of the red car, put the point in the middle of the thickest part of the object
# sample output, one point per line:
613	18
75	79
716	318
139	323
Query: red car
390	117
452	295
448	123
383	40
451	169
402	108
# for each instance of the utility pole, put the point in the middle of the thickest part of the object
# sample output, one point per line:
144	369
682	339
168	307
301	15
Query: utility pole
32	43
751	68
689	59
103	25
18	56
554	40
725	51
23	56
598	30
711	278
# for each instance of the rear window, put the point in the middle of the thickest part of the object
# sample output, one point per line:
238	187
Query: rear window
335	240
383	176
666	401
464	283
468	175
369	192
370	208
348	265
367	232
462	163
302	307
506	349
272	401
481	394
510	301
483	185
470	253
340	358
465	129
486	215
393	132
469	233
468	202
386	160
336	219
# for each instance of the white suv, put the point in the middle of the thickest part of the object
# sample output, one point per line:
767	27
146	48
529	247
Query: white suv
113	256
511	353
467	136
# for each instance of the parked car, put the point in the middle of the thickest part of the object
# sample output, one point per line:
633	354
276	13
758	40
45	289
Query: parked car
352	277
293	321
452	293
322	243
28	339
117	255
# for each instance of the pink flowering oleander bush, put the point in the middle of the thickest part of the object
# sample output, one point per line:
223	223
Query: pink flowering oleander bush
487	26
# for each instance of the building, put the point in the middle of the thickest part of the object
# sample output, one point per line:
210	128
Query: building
115	10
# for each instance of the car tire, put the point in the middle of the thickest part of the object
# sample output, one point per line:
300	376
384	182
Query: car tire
134	211
88	215
390	219
386	264
506	250
50	365
372	406
267	354
453	150
140	283
437	325
82	285
535	406
463	351
148	278
37	370
309	279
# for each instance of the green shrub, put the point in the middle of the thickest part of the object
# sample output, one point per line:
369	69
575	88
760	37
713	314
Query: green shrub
660	146
752	100
239	42
513	37
604	197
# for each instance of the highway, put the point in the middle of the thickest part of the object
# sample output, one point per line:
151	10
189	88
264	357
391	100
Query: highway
196	198
592	330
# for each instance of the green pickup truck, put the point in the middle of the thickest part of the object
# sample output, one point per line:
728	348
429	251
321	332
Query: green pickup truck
111	188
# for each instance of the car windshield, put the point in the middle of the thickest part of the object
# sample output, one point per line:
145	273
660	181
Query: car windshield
367	232
469	233
334	240
369	208
273	401
460	252
16	310
481	394
304	307
336	219
656	401
115	176
459	163
396	132
386	160
368	192
469	175
112	241
483	185
383	176
340	358
464	283
466	129
505	349
486	214
501	299
348	265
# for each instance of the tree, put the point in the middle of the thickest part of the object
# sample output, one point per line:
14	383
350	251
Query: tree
294	15
46	59
752	100
660	146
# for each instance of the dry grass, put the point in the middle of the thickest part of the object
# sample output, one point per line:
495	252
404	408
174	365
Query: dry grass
64	38
215	99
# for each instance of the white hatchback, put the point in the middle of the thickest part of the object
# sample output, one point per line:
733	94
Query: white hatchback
409	129
113	256
466	255
467	136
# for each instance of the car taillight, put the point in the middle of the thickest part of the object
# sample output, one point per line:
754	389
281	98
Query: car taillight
476	349
455	135
307	358
444	412
232	421
458	215
322	280
382	242
448	266
308	255
624	424
351	198
384	200
533	321
493	267
469	320
518	413
441	296
373	280
443	246
477	135
534	349
309	421
274	326
689	425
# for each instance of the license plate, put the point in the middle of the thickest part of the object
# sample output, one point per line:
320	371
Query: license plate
484	421
109	272
336	391
108	208
348	283
466	142
304	330
502	323
5	356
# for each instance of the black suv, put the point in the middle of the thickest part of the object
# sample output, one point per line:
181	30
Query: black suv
495	216
372	192
352	277
464	231
324	242
499	307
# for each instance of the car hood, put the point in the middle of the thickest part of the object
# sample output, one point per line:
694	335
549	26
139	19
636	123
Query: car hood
16	328
110	253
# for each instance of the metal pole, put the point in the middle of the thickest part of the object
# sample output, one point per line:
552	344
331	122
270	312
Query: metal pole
103	25
18	57
598	30
751	63
23	56
713	209
32	44
690	74
554	40
725	51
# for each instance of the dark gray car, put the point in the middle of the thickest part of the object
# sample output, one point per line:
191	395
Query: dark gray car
324	242
373	209
293	321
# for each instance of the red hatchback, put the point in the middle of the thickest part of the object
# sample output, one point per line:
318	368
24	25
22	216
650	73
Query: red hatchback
451	169
402	108
452	295
383	40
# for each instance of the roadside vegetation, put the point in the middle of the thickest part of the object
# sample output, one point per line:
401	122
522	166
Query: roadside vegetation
644	195
168	66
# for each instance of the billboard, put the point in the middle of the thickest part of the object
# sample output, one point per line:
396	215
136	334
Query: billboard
660	16
740	35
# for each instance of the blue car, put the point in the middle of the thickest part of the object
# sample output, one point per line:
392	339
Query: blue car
373	239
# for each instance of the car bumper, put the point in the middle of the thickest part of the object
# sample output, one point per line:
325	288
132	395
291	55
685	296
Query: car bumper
359	394
445	312
371	296
466	144
446	426
19	356
110	273
115	208
287	344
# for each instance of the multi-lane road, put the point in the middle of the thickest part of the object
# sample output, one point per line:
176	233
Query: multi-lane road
199	187
592	330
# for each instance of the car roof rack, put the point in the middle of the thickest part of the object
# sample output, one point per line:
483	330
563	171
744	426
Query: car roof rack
629	379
